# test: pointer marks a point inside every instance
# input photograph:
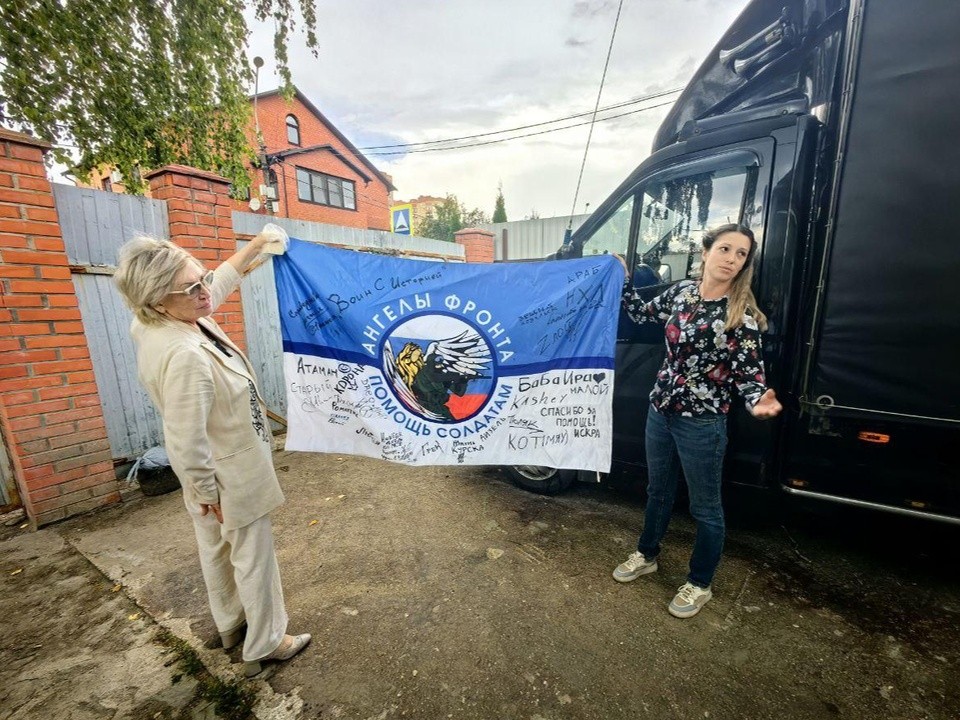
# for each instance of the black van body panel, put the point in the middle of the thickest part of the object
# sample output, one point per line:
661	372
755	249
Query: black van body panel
795	54
880	392
889	335
858	103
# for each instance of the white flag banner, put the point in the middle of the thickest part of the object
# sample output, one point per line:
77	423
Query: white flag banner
440	364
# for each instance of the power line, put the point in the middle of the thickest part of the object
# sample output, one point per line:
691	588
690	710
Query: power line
586	148
415	145
517	137
634	101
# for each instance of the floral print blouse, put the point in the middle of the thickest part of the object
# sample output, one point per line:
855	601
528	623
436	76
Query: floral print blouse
704	362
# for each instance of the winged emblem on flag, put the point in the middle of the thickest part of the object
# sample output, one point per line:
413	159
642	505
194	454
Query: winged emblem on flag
424	380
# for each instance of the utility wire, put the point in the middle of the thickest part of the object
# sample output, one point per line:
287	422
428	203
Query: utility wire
517	137
615	106
583	164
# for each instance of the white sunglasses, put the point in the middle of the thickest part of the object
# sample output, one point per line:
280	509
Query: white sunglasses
194	290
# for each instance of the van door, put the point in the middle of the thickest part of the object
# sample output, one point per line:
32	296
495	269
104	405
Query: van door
658	225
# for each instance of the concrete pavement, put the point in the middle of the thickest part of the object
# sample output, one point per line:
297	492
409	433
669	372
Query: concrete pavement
448	593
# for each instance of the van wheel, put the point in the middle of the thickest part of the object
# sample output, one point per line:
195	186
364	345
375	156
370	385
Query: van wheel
540	478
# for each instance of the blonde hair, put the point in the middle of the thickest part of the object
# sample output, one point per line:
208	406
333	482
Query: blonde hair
740	297
147	272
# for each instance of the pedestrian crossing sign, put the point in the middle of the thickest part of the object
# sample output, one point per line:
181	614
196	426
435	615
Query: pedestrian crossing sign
400	219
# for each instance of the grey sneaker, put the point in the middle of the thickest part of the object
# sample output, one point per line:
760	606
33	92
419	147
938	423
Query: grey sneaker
633	567
688	600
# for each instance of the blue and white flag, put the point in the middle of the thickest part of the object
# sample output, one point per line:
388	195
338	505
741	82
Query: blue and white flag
431	363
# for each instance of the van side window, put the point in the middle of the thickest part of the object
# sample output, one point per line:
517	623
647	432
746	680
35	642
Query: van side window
677	212
614	235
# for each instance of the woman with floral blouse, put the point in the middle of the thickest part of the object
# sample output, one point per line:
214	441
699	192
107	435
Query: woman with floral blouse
712	332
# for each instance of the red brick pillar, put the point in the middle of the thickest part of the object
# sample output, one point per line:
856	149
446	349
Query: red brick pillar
50	412
477	244
199	207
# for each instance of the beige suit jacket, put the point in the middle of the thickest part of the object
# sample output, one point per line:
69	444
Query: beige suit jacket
214	418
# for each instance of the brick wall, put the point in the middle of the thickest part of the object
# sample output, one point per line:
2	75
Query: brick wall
373	198
477	244
50	413
51	417
199	208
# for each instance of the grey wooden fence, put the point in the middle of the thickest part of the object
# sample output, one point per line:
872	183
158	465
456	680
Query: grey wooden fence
530	239
359	238
261	314
95	224
7	485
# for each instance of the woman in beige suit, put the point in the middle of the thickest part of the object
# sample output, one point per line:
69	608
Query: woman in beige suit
216	436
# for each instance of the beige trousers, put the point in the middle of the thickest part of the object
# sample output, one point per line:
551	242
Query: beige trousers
243	581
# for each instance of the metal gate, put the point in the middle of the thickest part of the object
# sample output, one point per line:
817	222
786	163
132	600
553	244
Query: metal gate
95	224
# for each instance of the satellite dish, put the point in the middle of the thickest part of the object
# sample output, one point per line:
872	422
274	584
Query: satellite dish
255	204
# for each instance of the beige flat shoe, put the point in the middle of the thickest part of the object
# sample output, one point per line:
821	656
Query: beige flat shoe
289	646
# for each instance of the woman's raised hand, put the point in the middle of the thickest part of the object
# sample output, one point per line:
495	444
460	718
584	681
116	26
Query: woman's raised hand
273	240
767	406
623	262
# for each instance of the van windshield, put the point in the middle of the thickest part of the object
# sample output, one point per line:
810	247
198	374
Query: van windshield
676	213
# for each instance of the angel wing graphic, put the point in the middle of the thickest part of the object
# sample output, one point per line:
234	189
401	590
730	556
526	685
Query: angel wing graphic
424	381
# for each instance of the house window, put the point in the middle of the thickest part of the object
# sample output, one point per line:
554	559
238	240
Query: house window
107	184
314	187
293	130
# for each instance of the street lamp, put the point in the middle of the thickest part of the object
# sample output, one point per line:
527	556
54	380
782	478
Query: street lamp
262	146
257	64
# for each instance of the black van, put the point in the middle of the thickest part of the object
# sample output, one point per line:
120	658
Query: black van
831	128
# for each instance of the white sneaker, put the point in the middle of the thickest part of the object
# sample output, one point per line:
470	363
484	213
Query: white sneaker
688	601
633	567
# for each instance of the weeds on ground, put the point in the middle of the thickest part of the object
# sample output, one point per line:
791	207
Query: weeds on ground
232	700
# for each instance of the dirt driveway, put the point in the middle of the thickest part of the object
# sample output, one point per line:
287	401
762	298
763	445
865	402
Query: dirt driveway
449	593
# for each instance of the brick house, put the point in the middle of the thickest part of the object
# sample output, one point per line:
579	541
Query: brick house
316	172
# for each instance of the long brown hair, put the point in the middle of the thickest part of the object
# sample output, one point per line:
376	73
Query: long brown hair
740	297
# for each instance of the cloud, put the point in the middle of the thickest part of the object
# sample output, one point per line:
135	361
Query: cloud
432	69
593	9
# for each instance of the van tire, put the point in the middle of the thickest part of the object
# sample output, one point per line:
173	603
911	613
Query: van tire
541	479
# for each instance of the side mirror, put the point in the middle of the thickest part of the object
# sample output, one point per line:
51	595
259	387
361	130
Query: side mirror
568	251
644	276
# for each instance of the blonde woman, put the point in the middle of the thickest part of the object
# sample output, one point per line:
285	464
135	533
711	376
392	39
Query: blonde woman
216	436
712	333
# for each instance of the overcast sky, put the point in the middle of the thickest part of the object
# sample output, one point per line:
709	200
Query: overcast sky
424	70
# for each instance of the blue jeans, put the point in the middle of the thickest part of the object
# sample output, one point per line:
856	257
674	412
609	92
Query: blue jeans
695	445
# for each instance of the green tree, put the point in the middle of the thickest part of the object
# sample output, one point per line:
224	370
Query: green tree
472	218
500	207
146	83
445	219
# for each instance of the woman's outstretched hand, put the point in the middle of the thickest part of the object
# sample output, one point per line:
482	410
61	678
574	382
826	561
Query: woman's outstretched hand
767	406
